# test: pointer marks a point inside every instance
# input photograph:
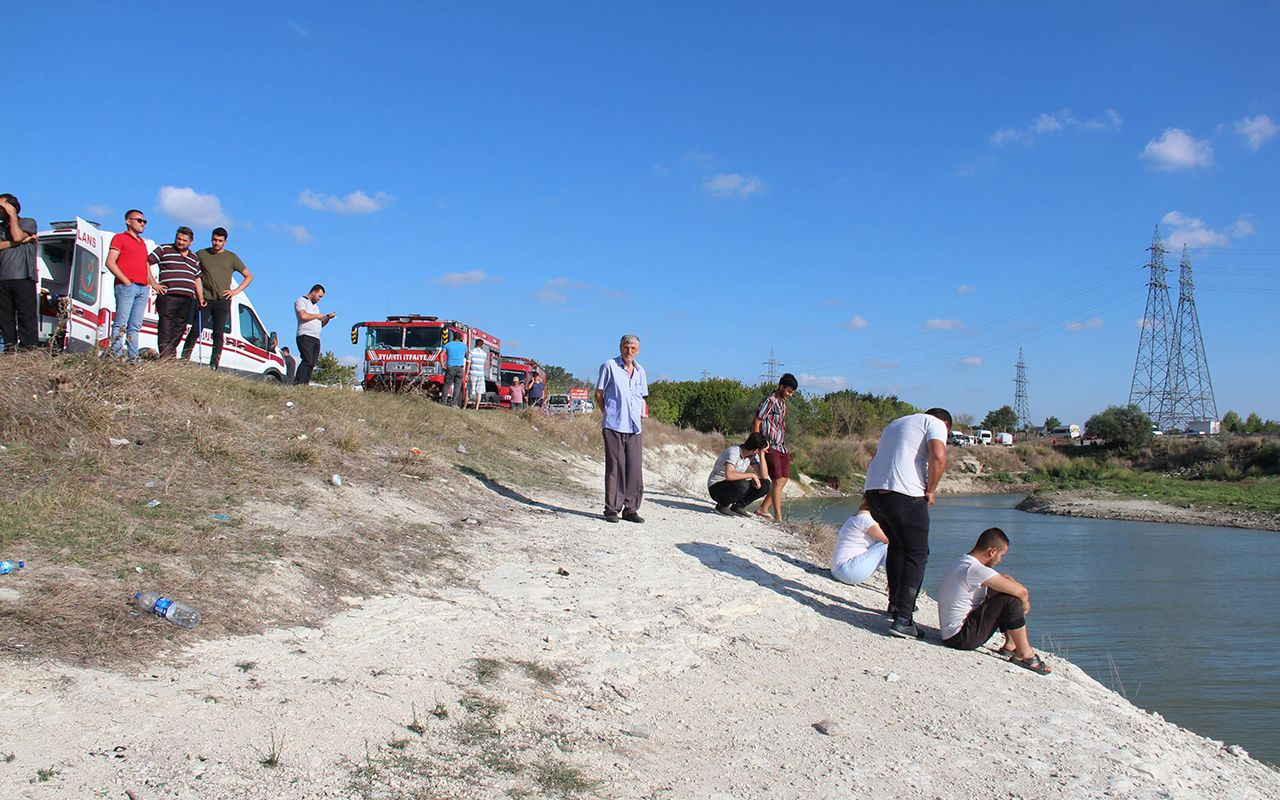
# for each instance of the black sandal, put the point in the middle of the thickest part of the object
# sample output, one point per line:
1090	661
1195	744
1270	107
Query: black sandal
1035	664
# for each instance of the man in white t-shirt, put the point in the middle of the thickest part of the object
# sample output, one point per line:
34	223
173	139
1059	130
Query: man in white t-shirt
310	321
902	481
739	476
974	601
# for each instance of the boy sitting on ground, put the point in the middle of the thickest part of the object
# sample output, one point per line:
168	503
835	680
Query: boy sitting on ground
739	476
861	547
974	600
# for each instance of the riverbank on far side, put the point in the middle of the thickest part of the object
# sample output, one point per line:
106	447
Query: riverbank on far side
1101	504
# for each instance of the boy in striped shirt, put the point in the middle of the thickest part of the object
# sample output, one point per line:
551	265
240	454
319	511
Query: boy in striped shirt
179	290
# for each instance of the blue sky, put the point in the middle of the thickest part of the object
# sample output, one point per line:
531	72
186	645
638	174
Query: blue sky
893	199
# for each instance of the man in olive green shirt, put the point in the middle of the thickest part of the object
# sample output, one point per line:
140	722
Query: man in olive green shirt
216	265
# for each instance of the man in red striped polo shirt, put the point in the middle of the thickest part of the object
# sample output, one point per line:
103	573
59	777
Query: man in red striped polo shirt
179	290
127	261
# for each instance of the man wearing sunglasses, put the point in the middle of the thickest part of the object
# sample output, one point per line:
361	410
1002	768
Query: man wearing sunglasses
127	261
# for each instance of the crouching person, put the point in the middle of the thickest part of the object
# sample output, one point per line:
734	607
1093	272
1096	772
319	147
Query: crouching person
974	600
861	548
739	476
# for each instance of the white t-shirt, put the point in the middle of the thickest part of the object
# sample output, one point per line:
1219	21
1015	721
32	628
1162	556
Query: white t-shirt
960	592
731	456
901	462
853	539
311	327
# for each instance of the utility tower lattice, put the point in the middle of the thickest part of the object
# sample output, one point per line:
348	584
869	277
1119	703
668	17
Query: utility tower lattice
1190	391
772	364
1020	406
1151	371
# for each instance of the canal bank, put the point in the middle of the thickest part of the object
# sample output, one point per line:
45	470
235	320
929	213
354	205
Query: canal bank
1177	618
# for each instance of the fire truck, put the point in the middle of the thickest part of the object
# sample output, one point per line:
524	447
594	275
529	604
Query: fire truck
402	354
526	369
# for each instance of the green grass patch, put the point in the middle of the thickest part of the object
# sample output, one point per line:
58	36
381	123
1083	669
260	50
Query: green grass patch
1261	494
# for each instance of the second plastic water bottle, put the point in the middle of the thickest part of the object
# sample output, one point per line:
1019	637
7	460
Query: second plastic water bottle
9	566
179	614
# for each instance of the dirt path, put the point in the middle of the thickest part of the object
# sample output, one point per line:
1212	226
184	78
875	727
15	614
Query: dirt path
688	657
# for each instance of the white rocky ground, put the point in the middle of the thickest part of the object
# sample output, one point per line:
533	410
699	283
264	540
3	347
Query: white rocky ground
693	656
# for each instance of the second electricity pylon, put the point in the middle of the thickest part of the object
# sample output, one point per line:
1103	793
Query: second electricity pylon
1149	390
772	364
1020	406
1189	394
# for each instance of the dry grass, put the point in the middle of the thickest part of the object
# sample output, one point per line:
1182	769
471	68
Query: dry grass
204	444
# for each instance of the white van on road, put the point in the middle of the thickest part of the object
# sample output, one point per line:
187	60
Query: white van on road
72	258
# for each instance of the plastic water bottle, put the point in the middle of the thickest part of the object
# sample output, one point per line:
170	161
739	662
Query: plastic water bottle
8	566
180	614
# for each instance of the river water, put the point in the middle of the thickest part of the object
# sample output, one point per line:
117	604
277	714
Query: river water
1181	619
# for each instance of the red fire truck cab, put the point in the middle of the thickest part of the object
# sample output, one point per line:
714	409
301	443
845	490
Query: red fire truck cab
403	352
526	369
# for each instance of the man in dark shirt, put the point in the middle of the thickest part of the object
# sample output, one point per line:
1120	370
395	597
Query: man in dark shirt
290	365
179	290
216	265
18	276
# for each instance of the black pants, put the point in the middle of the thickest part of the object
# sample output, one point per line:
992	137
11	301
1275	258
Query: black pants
999	610
308	354
216	314
905	521
738	493
195	319
18	314
174	310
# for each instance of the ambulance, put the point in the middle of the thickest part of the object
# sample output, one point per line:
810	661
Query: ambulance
78	306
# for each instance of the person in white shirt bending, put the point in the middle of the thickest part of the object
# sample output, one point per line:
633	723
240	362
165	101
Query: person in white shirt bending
860	547
739	476
974	600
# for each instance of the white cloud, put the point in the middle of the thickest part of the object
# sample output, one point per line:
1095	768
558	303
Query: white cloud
184	204
298	233
1256	130
733	185
1063	120
856	323
1090	324
880	363
964	288
550	296
943	324
350	360
101	211
566	283
820	383
971	361
297	27
1194	233
457	280
701	160
355	203
1177	149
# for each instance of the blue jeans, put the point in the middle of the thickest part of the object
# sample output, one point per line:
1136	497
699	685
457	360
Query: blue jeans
131	304
857	569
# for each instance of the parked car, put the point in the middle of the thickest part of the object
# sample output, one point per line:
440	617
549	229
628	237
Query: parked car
581	407
558	404
961	439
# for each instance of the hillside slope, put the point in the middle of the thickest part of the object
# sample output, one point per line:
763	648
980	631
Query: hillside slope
458	625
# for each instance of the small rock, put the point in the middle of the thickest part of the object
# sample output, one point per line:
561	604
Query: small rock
152	503
302	437
826	727
117	442
892	677
138	570
361	419
471	521
462	448
1237	750
336	479
271	416
319	430
561	571
289	404
150	484
637	732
